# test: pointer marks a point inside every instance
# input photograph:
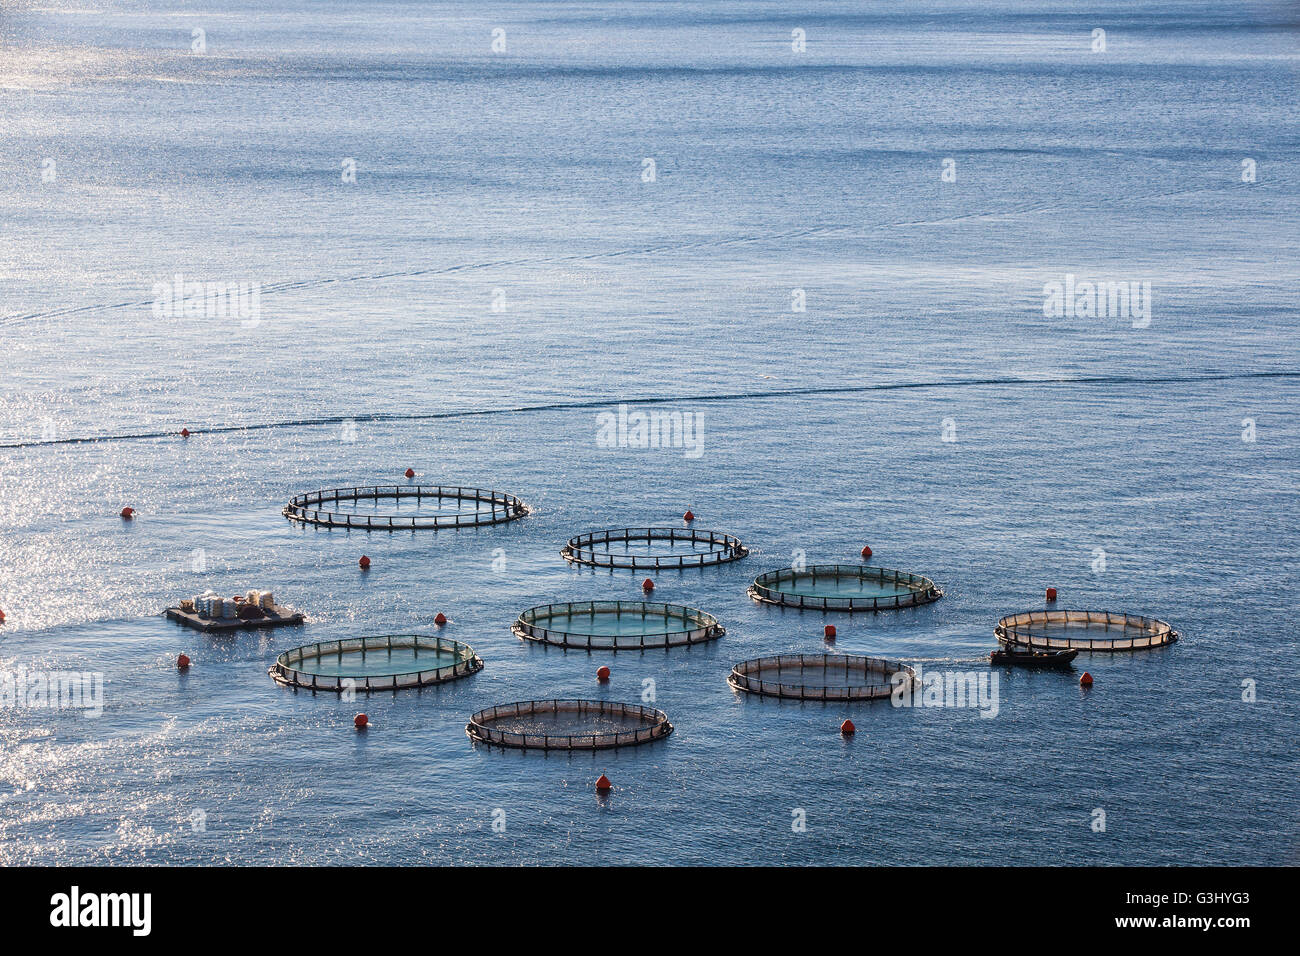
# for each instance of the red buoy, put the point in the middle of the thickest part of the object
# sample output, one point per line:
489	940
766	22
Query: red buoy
847	728
410	473
647	585
183	663
364	562
603	673
866	552
360	721
603	785
689	516
440	619
185	433
128	514
1085	680
1051	594
830	632
2	617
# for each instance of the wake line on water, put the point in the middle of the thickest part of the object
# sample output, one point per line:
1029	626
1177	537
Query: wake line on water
380	417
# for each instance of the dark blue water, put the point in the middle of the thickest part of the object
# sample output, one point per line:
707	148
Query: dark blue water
515	179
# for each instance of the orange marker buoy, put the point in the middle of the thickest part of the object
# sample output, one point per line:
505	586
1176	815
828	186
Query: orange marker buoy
1085	680
603	785
847	728
603	673
1051	594
360	721
128	514
183	663
830	632
410	473
364	562
866	551
185	433
647	585
689	516
440	619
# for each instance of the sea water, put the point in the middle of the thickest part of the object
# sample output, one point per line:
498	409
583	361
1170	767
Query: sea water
370	236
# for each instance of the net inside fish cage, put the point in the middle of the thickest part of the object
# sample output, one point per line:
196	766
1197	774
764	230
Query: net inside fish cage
568	725
820	676
366	664
404	507
843	587
617	625
1100	631
653	548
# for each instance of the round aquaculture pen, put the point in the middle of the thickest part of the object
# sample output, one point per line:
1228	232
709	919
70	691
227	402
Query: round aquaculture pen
616	625
365	664
820	677
568	725
1101	631
405	507
843	587
654	548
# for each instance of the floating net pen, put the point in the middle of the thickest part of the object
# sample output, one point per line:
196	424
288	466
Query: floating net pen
568	725
820	677
616	625
432	506
365	664
653	548
1100	631
843	587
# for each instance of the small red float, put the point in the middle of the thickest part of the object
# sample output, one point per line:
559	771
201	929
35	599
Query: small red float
1085	680
866	551
440	619
603	673
1051	594
128	514
2	617
185	433
603	785
410	473
689	516
830	632
183	662
364	562
360	721
847	728
647	585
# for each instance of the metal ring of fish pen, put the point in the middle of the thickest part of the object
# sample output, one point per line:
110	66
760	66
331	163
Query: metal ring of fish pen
742	677
722	548
916	590
1017	630
479	728
531	626
502	507
288	671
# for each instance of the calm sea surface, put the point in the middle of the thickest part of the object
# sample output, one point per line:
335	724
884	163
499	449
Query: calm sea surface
636	201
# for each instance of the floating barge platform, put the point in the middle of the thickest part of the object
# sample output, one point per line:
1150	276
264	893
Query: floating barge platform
276	616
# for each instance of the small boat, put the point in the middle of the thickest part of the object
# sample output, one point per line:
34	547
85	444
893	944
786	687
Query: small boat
1028	657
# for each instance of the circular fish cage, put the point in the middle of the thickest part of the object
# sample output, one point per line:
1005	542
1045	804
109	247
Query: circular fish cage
568	725
1100	631
820	677
843	587
616	625
366	664
653	548
452	507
